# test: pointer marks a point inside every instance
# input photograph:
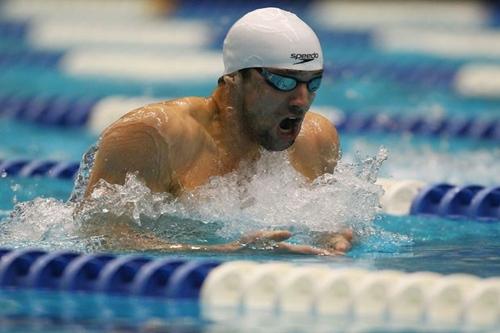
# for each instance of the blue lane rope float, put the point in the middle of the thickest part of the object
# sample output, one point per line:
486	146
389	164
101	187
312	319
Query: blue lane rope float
48	110
105	273
453	127
15	267
154	277
117	276
187	280
426	74
34	168
82	273
32	58
13	29
473	201
46	273
76	112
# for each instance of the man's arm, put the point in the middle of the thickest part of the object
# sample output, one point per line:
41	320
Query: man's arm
136	148
118	233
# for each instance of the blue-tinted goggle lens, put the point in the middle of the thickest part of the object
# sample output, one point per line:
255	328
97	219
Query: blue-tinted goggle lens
286	83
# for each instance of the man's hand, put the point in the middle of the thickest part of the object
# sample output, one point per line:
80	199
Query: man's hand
333	243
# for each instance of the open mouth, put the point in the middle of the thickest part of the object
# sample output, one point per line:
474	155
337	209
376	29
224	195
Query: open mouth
289	125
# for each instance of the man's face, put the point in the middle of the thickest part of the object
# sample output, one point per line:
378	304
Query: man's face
273	117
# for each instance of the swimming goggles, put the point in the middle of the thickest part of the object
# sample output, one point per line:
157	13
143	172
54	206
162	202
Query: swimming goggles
287	83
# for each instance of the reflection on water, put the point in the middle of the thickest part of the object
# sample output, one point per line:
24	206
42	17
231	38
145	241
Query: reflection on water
40	311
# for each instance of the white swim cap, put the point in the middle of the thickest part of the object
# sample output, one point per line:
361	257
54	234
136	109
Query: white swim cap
271	37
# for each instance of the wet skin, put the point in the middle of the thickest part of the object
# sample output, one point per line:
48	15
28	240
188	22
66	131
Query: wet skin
177	145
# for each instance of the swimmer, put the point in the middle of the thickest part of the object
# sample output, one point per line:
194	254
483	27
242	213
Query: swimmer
273	66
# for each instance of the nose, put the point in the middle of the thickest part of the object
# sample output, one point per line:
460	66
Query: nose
300	98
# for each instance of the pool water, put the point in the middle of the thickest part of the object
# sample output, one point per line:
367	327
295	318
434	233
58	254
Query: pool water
362	76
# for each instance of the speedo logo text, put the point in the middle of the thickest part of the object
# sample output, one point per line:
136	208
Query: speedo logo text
304	57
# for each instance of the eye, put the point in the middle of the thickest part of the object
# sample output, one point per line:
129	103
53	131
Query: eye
314	84
285	83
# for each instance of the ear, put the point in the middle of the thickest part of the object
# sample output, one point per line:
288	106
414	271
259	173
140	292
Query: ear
233	80
233	87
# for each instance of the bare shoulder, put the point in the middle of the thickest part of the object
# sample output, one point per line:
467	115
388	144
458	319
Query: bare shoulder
154	141
169	113
316	149
318	130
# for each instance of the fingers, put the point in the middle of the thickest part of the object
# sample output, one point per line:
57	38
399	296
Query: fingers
339	242
348	234
336	241
344	241
342	245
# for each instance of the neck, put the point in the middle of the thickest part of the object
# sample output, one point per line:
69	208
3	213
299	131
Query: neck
228	127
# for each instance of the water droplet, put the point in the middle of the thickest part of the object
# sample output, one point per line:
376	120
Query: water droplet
16	187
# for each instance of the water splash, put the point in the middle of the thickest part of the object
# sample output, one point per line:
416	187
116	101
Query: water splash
442	161
458	168
83	175
272	194
41	223
267	194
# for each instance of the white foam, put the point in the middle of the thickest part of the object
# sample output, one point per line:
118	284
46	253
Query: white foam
457	43
369	14
478	80
167	67
269	194
41	223
410	160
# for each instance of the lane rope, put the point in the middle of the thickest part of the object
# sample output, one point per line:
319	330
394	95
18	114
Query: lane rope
247	286
97	113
